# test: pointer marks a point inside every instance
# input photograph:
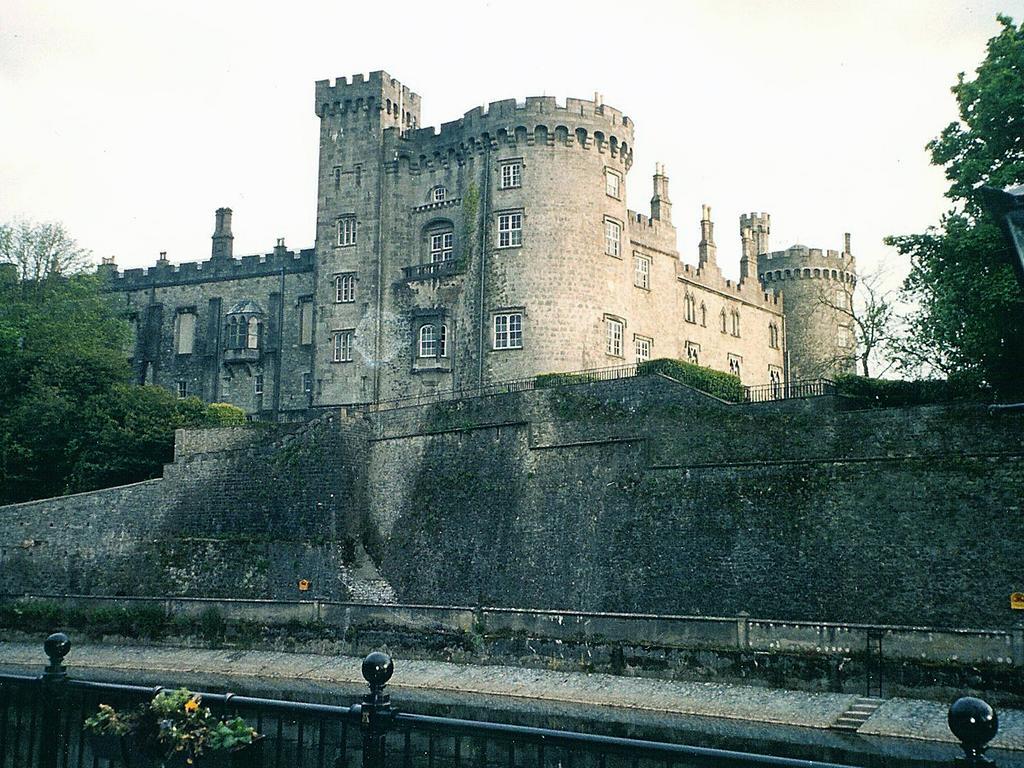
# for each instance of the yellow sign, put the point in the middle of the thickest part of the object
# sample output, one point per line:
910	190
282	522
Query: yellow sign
304	587
1017	601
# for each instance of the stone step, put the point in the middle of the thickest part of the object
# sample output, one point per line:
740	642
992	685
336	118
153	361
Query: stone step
857	714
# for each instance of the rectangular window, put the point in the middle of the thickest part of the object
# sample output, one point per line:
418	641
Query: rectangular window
842	299
441	247
641	271
508	330
510	230
307	383
613	336
306	322
693	353
735	362
182	389
844	336
185	333
343	346
347	230
257	384
612	182
337	177
643	348
511	174
612	237
345	288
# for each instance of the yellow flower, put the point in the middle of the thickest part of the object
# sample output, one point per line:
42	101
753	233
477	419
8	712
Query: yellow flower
191	705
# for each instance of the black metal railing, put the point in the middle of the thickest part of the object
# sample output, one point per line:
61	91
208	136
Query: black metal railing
790	390
41	727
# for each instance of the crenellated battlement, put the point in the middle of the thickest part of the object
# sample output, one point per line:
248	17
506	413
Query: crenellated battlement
539	120
801	262
163	273
746	290
376	92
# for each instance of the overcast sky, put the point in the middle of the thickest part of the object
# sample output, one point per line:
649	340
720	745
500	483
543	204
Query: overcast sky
132	121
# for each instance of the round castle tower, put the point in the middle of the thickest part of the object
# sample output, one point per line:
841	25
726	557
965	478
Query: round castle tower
817	290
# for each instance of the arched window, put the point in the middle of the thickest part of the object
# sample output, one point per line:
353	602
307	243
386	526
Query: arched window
735	322
690	308
703	314
773	335
428	341
254	331
721	317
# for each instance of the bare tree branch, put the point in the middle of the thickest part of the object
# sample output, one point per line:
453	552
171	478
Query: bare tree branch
40	250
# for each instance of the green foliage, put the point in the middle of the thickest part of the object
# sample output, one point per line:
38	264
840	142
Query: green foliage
225	415
109	722
890	393
212	625
723	385
970	316
548	380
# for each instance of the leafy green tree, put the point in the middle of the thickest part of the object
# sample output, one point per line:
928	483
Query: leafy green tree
969	321
69	418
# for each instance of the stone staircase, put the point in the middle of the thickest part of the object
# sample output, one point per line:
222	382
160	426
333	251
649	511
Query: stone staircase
853	718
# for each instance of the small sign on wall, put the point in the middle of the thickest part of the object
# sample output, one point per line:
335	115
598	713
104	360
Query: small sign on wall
1017	601
304	587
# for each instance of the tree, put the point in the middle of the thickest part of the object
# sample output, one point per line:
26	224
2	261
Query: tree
969	321
41	250
867	309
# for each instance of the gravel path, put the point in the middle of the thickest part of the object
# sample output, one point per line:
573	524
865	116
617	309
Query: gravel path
908	718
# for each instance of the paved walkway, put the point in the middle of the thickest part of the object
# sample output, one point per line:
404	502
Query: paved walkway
906	718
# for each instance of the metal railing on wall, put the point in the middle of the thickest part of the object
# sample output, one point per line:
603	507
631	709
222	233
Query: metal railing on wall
762	393
41	726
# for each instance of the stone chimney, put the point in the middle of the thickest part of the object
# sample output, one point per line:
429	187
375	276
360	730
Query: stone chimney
661	206
223	247
706	251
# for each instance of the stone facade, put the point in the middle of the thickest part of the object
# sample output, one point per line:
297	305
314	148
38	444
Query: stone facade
635	495
497	247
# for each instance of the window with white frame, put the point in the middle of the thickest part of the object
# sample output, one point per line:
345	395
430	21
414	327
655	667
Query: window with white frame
641	271
844	336
508	330
307	382
511	174
612	183
185	333
345	288
693	353
182	389
428	341
441	244
735	361
347	230
438	194
642	346
342	341
257	384
612	237
306	321
510	230
442	340
613	330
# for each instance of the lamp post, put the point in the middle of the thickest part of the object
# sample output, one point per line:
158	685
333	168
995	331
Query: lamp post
1007	206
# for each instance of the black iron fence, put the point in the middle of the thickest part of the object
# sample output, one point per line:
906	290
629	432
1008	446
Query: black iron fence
789	390
41	726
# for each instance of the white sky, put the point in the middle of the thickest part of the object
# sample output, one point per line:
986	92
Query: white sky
132	121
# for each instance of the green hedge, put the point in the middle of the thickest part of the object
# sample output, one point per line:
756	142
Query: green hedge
548	380
891	393
723	385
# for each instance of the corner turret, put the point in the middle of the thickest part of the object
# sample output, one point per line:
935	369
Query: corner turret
754	231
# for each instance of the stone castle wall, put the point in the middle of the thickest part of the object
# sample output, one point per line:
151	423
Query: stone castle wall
638	495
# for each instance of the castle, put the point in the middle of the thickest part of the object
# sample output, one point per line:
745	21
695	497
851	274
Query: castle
498	247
